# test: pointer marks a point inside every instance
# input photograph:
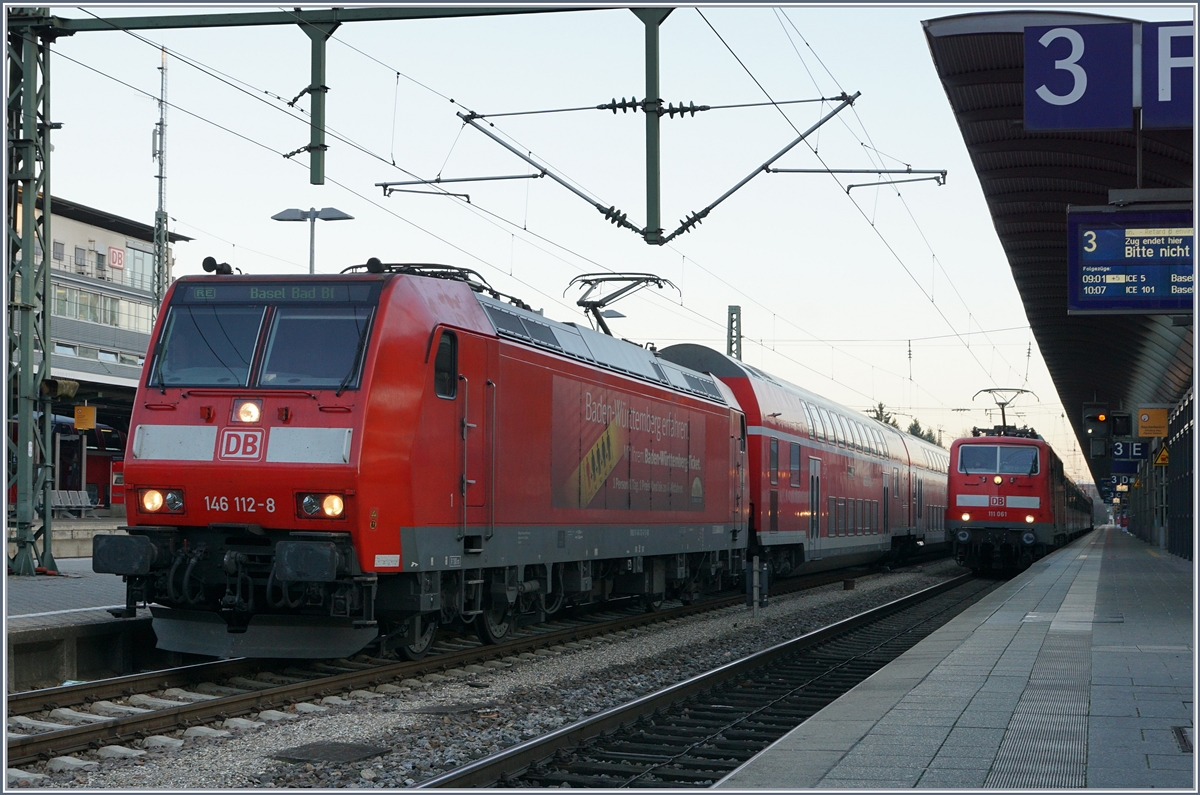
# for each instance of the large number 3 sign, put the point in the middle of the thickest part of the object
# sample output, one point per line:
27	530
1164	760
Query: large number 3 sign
1070	64
1079	77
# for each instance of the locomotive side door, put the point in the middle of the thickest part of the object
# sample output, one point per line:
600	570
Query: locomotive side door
477	403
813	551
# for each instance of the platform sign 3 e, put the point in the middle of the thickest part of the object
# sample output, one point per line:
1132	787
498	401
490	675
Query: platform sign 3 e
1130	450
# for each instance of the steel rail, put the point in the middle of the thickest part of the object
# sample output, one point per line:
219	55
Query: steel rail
518	758
115	730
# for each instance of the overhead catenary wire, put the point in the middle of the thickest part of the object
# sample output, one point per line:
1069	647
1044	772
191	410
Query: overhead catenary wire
505	221
782	15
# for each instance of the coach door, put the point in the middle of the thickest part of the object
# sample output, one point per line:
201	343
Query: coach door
477	405
814	509
737	455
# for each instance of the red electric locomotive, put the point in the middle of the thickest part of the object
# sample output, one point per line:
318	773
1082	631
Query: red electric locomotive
318	462
828	486
1010	500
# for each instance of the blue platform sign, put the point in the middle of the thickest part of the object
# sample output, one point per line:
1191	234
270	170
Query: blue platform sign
1131	451
1079	77
1130	261
1168	74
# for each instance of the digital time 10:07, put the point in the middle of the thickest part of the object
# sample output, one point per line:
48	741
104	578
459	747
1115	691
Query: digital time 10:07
244	504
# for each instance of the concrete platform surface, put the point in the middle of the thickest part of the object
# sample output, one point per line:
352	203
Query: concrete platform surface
1076	673
42	600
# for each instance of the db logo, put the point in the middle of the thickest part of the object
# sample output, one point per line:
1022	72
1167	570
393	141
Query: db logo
241	444
996	501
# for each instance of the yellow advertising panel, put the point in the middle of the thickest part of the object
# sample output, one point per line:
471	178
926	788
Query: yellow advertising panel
1151	422
85	418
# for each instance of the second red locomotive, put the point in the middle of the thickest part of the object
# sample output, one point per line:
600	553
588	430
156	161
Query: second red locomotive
1011	502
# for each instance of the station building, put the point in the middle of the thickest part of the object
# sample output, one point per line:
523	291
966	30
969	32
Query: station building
102	307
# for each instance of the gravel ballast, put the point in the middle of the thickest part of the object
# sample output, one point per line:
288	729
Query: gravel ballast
426	728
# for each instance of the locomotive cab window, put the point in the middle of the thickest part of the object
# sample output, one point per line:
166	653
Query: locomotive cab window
207	346
988	459
316	334
445	366
316	347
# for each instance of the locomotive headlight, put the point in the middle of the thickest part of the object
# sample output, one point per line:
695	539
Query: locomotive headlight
174	500
311	504
966	517
332	506
247	411
1029	538
322	506
964	536
997	480
152	500
1029	518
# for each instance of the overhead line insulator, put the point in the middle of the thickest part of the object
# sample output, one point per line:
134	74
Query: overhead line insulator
690	108
625	105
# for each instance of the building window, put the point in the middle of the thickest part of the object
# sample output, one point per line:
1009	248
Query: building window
109	356
101	263
80	257
64	350
130	359
59	250
139	269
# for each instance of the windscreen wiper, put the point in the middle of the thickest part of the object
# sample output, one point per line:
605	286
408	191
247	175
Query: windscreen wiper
362	338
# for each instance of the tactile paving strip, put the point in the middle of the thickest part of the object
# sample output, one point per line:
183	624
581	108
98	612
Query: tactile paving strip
1046	741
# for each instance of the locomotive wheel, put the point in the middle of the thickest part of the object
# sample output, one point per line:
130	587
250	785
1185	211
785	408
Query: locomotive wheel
651	602
418	649
493	625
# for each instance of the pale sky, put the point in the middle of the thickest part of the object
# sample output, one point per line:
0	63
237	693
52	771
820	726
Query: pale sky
833	286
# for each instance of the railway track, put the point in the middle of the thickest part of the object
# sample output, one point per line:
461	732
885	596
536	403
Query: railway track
694	733
90	715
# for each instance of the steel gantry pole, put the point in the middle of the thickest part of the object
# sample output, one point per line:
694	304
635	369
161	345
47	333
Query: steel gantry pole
162	250
652	107
28	130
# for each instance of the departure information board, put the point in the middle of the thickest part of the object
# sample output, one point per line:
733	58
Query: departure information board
1130	261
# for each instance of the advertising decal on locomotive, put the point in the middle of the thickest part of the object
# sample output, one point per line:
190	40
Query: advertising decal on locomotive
617	452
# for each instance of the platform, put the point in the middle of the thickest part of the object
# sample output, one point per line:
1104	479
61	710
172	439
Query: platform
72	536
58	628
1076	673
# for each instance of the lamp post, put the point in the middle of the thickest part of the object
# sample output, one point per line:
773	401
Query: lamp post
311	215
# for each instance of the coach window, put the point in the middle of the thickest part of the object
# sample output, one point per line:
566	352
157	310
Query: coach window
812	425
774	461
795	450
896	481
839	430
858	438
817	424
445	366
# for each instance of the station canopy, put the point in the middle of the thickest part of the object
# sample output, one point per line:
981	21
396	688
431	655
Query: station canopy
1028	180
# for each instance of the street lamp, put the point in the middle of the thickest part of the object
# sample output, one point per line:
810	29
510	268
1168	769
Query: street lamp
311	215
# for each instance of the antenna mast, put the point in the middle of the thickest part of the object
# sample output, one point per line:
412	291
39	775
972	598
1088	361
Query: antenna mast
162	264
